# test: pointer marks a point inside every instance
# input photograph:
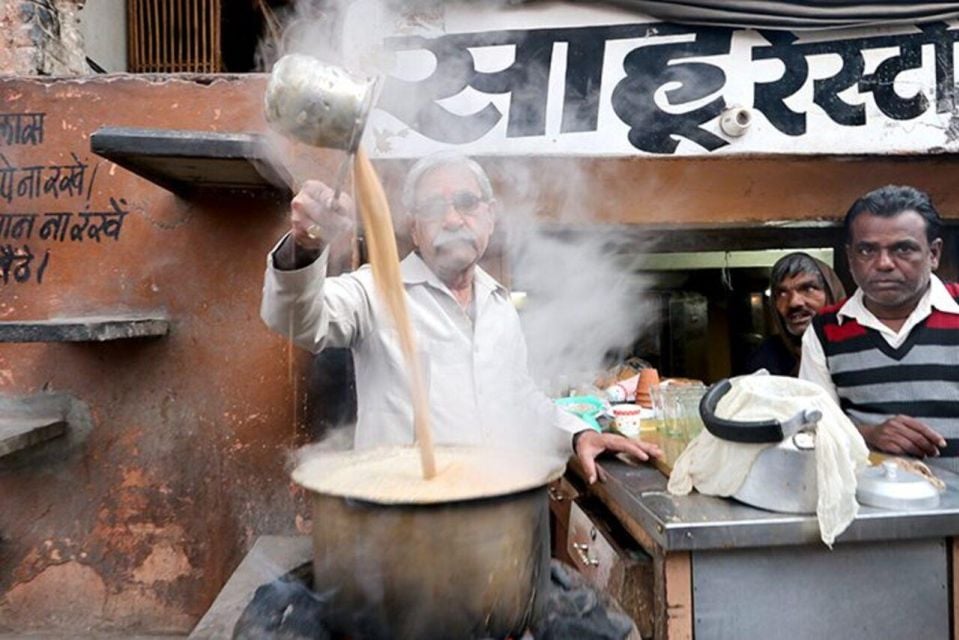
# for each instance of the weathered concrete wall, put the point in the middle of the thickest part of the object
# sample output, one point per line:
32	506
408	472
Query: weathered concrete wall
136	520
41	37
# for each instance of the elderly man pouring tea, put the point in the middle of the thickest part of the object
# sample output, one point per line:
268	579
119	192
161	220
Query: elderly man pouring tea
469	337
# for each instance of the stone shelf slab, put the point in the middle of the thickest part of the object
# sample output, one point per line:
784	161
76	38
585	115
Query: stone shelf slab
17	434
186	162
84	329
29	420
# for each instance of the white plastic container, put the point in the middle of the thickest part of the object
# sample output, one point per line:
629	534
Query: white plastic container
627	418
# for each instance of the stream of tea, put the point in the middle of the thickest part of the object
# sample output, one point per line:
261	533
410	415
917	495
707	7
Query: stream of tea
384	258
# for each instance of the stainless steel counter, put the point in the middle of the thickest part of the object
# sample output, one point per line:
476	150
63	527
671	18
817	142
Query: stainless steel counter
697	522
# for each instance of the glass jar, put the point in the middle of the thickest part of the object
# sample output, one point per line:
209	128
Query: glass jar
690	420
679	406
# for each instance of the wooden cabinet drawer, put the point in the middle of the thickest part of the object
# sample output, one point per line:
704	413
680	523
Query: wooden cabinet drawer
592	553
561	496
624	573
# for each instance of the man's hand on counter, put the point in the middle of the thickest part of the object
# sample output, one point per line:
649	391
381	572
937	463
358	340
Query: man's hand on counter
903	435
589	444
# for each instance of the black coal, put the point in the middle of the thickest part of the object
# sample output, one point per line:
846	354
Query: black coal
288	609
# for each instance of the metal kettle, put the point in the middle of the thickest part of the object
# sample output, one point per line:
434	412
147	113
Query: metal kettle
783	476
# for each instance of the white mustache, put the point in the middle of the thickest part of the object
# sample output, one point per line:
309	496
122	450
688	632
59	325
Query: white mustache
445	237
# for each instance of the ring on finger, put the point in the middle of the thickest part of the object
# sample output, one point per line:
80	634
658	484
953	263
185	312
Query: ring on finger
314	231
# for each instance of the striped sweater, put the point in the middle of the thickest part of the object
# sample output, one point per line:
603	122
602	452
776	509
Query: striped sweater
874	381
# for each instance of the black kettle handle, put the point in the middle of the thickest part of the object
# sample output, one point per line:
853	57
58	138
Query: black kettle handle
734	431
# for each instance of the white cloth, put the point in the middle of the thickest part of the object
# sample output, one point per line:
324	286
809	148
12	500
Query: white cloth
717	467
813	367
480	391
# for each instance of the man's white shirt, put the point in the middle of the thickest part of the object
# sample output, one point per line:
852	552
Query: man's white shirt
480	391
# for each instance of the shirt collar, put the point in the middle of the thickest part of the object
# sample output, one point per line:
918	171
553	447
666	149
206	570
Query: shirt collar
937	297
940	298
414	271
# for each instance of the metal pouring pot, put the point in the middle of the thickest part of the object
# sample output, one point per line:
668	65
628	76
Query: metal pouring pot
319	104
472	568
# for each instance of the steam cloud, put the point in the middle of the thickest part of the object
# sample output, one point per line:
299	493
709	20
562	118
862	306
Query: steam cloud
581	305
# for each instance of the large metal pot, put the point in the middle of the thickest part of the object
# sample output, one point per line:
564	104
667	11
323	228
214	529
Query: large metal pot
471	568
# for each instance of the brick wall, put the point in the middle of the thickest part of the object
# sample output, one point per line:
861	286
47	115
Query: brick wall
41	37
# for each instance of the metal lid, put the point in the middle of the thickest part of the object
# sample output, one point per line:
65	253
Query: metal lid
889	487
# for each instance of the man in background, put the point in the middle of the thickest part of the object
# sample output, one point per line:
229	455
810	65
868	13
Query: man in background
800	286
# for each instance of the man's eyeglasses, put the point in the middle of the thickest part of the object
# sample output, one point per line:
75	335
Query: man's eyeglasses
466	203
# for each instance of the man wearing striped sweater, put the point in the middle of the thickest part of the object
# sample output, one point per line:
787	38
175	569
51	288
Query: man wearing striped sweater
889	354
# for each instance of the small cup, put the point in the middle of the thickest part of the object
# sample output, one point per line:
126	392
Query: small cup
627	417
648	378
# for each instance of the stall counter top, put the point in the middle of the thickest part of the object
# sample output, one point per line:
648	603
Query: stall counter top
637	495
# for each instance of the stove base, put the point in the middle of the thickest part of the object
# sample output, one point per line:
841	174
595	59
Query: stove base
270	557
269	596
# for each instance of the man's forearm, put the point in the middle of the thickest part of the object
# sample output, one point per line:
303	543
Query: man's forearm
289	256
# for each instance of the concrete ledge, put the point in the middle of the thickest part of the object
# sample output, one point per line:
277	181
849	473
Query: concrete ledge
88	329
29	420
186	162
20	434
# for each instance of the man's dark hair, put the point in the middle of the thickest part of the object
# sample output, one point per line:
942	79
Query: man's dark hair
793	264
890	201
